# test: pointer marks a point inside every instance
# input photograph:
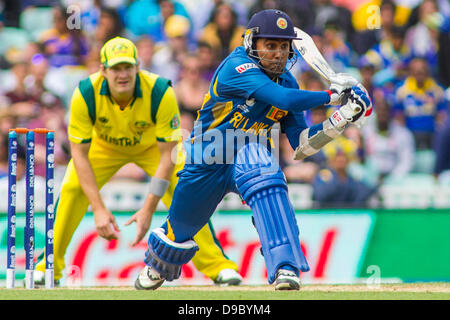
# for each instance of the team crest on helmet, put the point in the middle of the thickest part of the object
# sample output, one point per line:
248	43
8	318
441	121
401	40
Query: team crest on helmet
282	23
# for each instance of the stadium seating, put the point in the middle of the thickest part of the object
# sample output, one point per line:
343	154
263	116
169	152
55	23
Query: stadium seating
36	20
13	39
424	161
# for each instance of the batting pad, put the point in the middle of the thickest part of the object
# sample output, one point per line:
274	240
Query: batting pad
167	256
265	191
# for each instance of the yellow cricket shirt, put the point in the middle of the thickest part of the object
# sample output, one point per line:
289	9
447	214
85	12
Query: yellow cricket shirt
151	116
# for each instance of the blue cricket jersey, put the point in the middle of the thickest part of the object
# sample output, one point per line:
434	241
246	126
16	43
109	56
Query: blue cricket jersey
242	105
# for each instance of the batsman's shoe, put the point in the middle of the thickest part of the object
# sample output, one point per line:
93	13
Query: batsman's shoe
39	279
148	279
287	280
228	277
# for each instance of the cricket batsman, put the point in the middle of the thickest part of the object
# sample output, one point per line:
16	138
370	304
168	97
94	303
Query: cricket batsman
117	116
228	151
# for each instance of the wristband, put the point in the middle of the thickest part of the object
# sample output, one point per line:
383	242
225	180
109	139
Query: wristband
158	186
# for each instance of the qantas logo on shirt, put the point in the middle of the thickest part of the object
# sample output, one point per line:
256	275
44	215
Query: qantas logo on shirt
142	124
245	66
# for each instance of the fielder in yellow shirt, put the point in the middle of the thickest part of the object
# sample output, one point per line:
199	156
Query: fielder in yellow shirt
117	116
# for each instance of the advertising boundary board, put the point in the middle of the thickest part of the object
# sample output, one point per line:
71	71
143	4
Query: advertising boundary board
341	245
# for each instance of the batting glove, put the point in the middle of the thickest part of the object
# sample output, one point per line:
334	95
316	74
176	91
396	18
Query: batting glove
361	121
340	84
355	108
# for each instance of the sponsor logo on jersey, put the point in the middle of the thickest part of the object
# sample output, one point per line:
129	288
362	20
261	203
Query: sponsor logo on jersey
276	114
248	103
245	66
175	122
121	141
142	124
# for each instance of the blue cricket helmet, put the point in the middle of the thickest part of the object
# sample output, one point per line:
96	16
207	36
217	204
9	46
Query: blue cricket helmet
270	23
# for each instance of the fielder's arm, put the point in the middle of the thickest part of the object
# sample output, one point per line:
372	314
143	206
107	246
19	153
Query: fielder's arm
158	186
164	171
103	217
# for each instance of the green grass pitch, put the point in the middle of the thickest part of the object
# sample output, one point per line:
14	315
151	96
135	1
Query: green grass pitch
422	291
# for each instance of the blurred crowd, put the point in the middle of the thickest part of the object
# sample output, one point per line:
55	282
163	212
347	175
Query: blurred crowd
398	49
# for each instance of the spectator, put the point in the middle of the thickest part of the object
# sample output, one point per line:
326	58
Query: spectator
91	11
190	90
223	33
336	50
325	10
148	17
51	115
301	12
64	46
167	59
34	106
208	58
334	187
422	38
444	51
295	171
109	26
420	104
313	116
389	57
200	18
389	146
146	49
20	103
317	115
442	149
367	37
367	71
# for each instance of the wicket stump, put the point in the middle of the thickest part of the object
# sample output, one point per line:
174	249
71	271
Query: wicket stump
29	243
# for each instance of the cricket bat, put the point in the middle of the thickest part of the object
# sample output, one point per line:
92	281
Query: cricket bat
308	49
312	55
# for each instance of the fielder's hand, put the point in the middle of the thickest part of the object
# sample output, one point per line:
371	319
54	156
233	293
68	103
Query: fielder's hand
143	218
105	223
340	84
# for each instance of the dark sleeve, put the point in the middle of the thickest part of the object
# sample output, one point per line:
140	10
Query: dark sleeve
240	78
290	99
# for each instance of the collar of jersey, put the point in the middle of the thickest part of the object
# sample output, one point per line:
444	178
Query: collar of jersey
104	90
411	84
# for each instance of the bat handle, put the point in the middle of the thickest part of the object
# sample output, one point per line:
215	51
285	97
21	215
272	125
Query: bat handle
346	96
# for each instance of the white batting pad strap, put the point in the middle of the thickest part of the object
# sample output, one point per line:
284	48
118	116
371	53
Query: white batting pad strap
187	245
